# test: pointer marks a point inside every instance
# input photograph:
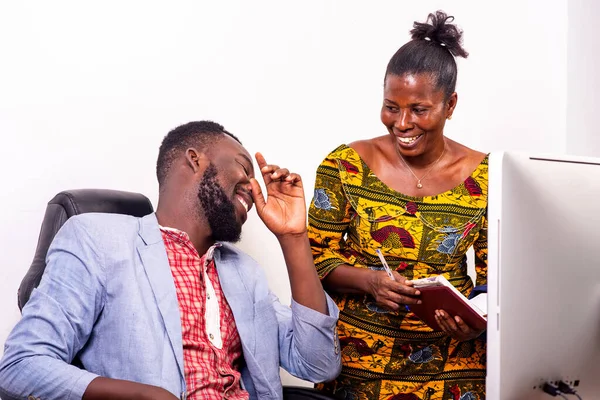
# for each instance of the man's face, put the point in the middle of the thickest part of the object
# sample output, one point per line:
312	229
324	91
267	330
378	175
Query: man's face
224	190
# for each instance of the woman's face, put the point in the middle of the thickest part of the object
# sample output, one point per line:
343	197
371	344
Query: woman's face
414	112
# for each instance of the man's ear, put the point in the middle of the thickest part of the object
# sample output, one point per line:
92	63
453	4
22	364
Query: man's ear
195	159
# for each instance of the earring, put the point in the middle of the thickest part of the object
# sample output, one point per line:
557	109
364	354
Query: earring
449	116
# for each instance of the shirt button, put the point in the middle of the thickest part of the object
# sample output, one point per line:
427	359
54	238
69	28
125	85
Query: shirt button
211	336
208	296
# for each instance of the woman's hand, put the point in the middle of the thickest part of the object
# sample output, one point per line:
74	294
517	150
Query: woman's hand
455	327
392	294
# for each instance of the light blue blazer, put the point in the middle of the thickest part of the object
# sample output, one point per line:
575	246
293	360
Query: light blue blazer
108	298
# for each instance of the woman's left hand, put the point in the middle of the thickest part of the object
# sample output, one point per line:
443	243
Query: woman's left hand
455	327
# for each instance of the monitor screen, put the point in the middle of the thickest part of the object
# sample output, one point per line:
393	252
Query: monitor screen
543	275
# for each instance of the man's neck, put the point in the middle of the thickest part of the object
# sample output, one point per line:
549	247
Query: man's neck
170	215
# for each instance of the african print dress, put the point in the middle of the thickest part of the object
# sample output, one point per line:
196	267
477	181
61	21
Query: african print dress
394	355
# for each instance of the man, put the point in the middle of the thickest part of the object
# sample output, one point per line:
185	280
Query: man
160	307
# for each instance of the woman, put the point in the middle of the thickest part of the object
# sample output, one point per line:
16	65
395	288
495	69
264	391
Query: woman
421	199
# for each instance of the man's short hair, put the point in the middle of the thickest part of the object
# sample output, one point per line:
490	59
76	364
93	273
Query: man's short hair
198	134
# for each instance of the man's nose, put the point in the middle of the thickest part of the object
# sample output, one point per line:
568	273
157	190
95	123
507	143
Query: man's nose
245	186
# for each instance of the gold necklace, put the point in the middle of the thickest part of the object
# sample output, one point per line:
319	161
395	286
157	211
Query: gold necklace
419	184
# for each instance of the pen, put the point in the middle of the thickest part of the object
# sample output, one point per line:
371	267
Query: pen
385	265
388	270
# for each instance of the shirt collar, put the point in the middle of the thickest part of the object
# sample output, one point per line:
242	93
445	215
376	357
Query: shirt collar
184	238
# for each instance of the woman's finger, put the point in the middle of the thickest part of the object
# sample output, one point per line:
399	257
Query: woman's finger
462	326
442	323
406	290
390	305
401	299
449	321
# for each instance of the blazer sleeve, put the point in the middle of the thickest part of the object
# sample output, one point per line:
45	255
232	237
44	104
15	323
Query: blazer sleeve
56	322
308	342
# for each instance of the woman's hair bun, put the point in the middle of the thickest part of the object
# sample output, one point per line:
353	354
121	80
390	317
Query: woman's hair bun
439	29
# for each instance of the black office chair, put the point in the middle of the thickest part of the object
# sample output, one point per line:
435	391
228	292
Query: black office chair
73	202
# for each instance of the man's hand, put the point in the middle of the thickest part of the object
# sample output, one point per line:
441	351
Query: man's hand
105	388
284	211
455	327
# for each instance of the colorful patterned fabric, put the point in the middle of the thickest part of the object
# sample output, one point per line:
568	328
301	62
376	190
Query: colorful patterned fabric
211	361
394	355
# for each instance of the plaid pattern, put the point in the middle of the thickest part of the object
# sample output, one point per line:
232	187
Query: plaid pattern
212	354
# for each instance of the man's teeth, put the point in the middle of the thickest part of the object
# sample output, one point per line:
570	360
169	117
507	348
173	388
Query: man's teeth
243	203
409	140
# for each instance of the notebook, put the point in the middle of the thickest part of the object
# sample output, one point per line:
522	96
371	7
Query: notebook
439	294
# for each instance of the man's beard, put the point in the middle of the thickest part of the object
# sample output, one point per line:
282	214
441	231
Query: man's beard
218	209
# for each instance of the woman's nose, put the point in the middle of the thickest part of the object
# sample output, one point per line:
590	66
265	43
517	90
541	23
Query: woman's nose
404	121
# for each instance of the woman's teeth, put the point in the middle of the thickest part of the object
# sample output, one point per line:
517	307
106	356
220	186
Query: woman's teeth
409	140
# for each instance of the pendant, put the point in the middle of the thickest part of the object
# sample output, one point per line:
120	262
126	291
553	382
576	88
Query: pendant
419	185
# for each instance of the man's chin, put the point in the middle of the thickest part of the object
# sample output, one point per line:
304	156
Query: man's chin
233	236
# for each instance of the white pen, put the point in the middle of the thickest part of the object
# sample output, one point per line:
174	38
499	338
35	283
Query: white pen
385	265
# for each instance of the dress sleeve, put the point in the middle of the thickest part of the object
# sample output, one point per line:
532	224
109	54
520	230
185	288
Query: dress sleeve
481	253
329	216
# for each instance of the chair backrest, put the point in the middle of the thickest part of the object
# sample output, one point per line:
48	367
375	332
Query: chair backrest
73	202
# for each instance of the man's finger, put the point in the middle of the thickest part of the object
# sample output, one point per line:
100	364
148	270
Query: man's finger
280	173
293	178
260	160
257	196
269	172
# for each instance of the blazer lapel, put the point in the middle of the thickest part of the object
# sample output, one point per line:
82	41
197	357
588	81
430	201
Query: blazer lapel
239	290
156	264
239	298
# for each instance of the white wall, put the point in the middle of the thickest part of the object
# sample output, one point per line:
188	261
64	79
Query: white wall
88	91
583	95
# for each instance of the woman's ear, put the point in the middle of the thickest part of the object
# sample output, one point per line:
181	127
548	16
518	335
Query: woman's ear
451	105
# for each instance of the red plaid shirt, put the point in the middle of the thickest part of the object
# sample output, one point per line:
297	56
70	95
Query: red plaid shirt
212	354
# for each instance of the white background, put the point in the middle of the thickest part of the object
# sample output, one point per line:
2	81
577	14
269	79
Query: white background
88	90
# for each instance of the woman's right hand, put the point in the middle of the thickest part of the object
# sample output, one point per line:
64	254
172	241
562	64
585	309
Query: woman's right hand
392	294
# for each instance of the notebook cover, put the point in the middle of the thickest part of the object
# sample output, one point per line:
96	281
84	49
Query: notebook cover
443	298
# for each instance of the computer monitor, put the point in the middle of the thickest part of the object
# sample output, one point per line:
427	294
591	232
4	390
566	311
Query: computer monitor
543	275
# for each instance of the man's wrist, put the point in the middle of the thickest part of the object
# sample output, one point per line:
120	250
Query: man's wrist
292	238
